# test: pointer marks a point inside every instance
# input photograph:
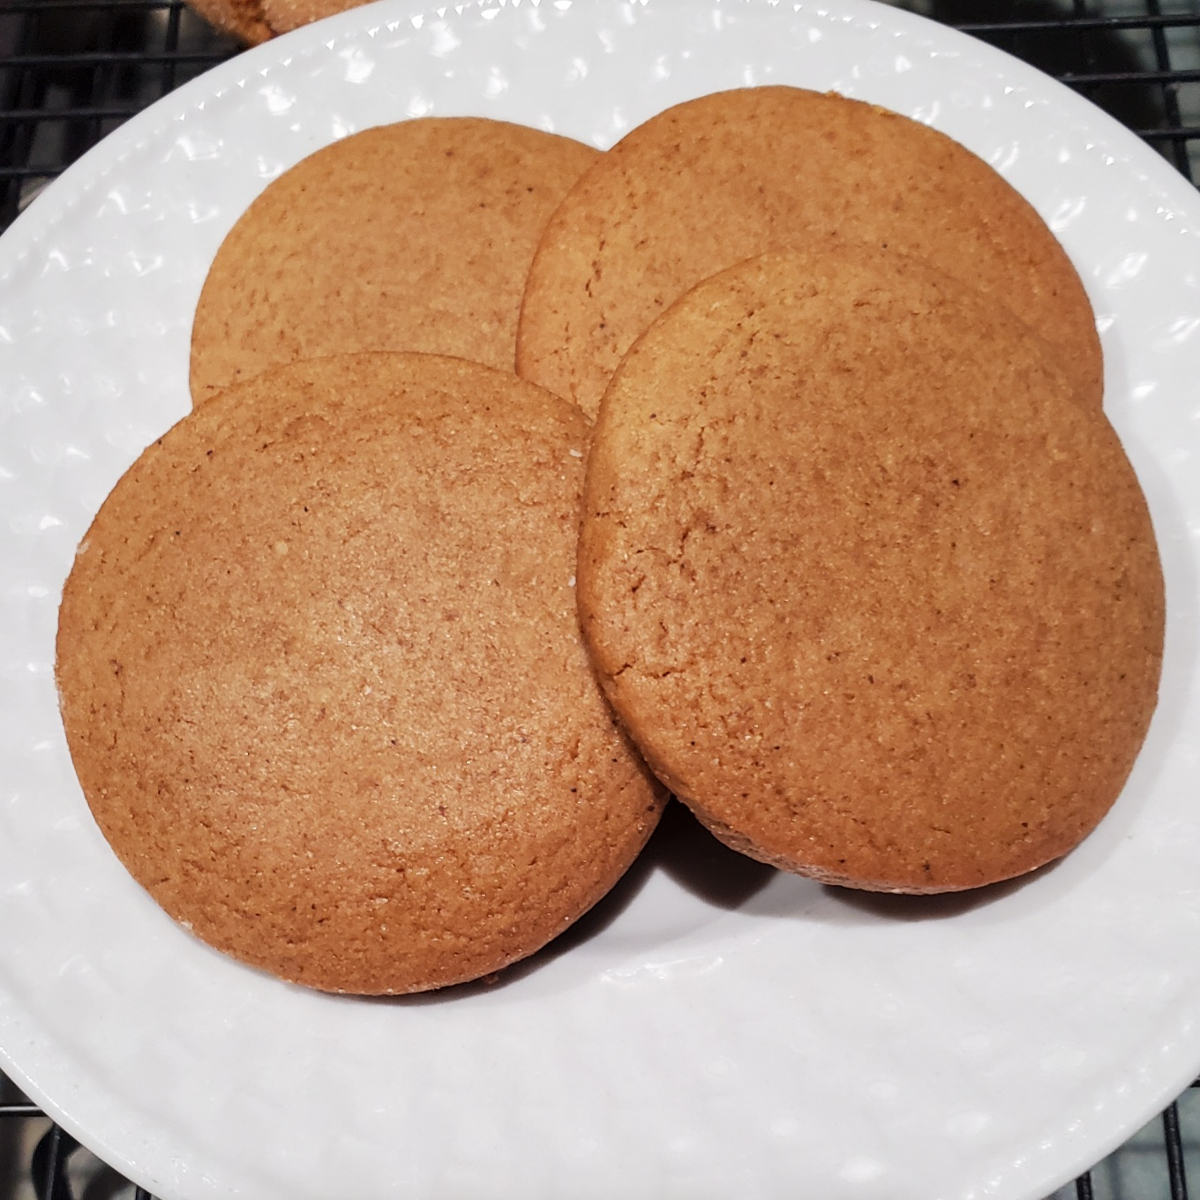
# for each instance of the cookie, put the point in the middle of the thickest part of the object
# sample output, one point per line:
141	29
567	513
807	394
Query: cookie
714	181
872	594
285	15
241	18
254	21
414	236
323	682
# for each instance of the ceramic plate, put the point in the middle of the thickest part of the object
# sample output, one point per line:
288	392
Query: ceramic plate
714	1030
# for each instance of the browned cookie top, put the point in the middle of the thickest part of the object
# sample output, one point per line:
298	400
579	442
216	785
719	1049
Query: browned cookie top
717	180
414	236
323	682
870	594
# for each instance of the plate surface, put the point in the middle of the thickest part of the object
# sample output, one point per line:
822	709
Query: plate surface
714	1030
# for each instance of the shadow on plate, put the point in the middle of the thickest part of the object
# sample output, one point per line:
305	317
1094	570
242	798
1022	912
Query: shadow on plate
857	908
724	879
681	848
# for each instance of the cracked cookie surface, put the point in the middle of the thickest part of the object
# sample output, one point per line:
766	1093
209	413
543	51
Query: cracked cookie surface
872	592
323	683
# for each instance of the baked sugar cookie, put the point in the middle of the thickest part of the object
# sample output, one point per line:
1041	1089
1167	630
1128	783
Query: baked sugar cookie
323	682
714	181
872	595
413	236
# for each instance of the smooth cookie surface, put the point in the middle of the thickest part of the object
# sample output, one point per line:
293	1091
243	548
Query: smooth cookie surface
412	236
871	593
323	682
714	181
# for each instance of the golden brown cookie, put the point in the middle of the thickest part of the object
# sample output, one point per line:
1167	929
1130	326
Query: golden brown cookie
254	21
323	682
286	15
242	18
415	236
872	596
717	180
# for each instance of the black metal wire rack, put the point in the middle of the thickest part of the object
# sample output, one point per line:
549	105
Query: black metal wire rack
71	71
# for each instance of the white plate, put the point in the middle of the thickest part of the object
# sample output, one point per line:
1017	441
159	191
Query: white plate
715	1031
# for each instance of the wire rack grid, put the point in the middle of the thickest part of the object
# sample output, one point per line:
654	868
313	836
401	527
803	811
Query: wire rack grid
71	71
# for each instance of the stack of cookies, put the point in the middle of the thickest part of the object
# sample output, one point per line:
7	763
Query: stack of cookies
863	567
801	493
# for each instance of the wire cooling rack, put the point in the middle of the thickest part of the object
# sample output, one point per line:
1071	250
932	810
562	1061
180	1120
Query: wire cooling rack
71	71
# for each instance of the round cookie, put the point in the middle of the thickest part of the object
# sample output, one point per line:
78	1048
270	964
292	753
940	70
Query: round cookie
413	236
714	181
871	595
323	682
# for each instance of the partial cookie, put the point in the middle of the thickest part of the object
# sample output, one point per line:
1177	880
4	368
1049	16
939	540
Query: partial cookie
255	21
870	593
415	236
286	15
242	18
717	180
323	683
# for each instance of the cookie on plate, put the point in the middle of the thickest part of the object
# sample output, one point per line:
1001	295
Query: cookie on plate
413	236
323	682
872	594
711	182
